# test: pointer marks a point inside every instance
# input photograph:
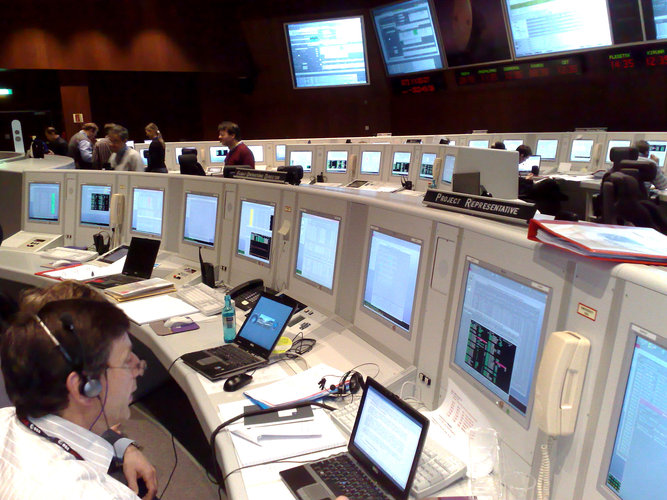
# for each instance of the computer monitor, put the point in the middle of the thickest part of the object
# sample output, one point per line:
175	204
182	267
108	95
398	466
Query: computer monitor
615	143
527	165
547	149
581	150
280	152
370	162
658	149
392	268
201	217
303	158
478	143
317	248
147	210
144	156
257	152
327	53
499	333
130	144
512	144
400	164
216	154
448	168
95	205
44	202
255	230
336	162
178	152
426	166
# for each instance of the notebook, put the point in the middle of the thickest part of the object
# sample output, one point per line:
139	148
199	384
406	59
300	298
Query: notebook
382	455
139	263
253	344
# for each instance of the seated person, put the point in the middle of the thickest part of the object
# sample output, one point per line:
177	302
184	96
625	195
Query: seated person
659	181
229	134
498	145
80	368
123	157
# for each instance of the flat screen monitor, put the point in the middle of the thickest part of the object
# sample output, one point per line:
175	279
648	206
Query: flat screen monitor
303	158
327	53
201	217
130	144
448	168
615	143
217	154
501	322
635	467
527	165
481	144
370	162
547	148
147	210
44	201
95	204
391	276
426	167
257	153
255	230
658	149
400	164
581	150
178	152
336	162
280	152
408	37
660	19
512	144
558	26
316	252
144	156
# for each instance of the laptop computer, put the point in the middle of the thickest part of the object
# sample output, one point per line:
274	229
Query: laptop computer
526	166
253	344
382	455
139	263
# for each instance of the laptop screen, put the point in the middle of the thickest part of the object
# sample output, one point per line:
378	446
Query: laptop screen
265	324
141	257
388	435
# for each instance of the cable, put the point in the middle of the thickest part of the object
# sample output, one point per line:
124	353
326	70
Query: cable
544	475
173	469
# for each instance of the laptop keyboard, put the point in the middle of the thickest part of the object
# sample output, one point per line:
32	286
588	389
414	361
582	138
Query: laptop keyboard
232	357
344	477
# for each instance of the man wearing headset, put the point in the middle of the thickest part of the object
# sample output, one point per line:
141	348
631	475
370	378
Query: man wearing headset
66	368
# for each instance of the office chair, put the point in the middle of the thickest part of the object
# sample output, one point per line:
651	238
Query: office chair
188	163
294	174
617	155
624	203
643	171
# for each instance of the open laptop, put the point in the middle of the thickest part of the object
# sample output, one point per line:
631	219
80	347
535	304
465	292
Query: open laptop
526	166
253	344
139	263
382	455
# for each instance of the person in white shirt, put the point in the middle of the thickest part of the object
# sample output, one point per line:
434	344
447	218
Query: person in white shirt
644	148
65	368
122	156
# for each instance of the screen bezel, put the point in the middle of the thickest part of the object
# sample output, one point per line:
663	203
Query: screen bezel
393	158
291	63
421	163
361	161
543	157
338	238
217	210
90	224
55	222
590	157
238	232
521	418
288	158
164	203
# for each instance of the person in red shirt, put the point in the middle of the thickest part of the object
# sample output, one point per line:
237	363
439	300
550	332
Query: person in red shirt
239	154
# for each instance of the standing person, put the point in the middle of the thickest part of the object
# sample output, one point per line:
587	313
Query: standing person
80	146
55	143
229	134
123	157
101	150
156	151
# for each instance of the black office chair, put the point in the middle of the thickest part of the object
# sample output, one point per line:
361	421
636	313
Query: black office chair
624	203
294	173
617	155
187	161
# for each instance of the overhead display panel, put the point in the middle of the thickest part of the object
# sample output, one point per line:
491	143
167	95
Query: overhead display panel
327	53
548	26
473	31
408	37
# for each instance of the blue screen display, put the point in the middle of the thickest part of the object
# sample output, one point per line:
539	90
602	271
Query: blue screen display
265	322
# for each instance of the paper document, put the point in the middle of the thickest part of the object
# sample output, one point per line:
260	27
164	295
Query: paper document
155	308
85	271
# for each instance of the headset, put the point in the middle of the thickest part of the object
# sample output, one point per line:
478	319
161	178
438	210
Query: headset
89	387
349	383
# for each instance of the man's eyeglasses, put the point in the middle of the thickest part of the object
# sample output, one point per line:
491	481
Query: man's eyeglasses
134	364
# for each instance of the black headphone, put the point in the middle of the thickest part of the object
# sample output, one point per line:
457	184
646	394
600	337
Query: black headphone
349	383
89	387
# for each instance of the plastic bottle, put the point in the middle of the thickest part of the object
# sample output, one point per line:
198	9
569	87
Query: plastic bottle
229	320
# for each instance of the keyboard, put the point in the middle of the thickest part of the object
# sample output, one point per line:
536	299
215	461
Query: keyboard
437	467
232	356
208	300
71	254
344	477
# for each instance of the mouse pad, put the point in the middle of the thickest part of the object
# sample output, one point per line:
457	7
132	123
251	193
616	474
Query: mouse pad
159	328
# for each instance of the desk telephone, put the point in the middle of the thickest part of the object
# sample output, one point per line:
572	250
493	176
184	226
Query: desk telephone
247	294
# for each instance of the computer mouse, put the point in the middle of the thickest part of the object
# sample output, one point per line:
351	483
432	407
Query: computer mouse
63	263
177	321
236	382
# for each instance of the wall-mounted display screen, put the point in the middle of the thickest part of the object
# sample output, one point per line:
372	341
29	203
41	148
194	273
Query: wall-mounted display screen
336	161
327	53
303	158
408	37
43	202
581	150
255	230
448	168
217	154
547	148
401	163
147	209
316	253
201	213
370	162
549	26
426	167
95	204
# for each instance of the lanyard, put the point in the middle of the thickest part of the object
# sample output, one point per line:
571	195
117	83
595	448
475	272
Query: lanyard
57	441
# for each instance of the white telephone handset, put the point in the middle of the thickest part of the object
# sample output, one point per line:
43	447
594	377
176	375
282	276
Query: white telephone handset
116	209
559	382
